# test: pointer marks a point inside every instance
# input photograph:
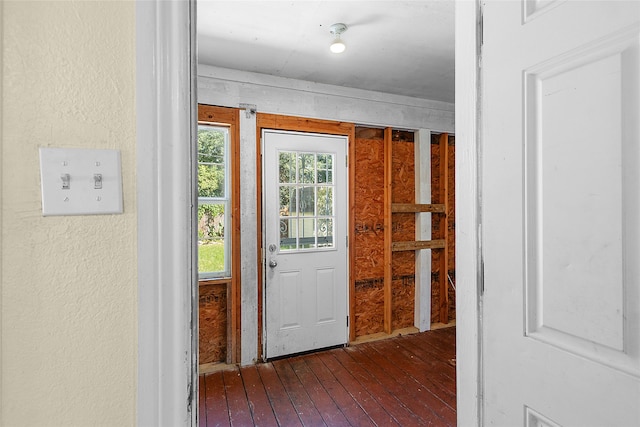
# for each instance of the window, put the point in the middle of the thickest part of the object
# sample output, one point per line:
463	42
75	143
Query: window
214	243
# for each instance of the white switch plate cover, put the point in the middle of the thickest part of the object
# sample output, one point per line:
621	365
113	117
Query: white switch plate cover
81	166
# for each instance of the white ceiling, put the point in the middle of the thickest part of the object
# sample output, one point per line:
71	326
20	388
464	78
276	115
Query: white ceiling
398	47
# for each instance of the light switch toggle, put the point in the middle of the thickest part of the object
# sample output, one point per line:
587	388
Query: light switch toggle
66	181
97	181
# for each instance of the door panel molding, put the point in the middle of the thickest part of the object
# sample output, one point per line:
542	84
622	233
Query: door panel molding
596	330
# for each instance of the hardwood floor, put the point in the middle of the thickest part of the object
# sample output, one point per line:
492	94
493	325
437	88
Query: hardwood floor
402	381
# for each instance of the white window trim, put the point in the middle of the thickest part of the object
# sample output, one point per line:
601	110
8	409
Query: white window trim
166	112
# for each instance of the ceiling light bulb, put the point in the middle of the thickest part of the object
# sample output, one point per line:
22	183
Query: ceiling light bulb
337	46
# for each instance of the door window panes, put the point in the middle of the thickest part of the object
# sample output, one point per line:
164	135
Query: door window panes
306	192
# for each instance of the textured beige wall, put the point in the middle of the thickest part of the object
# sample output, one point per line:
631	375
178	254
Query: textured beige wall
69	343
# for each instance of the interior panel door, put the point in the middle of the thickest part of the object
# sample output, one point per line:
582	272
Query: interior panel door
561	213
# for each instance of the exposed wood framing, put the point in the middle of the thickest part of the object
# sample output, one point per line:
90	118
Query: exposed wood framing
388	227
444	259
352	234
368	225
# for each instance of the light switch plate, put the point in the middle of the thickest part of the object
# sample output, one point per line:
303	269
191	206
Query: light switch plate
78	181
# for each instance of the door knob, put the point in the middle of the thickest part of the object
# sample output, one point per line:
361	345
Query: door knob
273	263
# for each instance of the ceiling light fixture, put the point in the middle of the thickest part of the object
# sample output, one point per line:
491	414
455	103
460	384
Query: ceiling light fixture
337	46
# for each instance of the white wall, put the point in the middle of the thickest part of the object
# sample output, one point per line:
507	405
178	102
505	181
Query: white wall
277	95
69	286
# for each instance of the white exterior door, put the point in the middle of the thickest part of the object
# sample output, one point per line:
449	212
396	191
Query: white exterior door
561	213
306	278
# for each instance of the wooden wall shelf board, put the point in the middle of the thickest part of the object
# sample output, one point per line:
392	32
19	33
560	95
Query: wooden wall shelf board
415	208
417	245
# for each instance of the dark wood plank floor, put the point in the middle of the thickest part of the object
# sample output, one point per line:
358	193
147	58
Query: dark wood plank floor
402	381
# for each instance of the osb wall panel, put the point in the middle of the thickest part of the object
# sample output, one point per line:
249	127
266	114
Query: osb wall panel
451	233
403	264
403	176
369	231
437	231
403	294
213	323
369	307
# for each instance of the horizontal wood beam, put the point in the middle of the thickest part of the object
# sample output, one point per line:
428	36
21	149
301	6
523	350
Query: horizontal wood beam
419	244
415	207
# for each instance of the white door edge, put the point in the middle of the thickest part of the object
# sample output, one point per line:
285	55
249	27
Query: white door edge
468	253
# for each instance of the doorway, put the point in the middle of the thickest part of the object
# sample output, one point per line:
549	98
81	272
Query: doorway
164	317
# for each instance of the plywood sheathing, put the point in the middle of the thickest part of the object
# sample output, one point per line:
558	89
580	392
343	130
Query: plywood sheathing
403	230
212	323
369	225
369	236
369	304
388	224
439	301
436	232
451	232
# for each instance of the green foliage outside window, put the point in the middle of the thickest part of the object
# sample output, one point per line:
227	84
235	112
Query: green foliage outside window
211	183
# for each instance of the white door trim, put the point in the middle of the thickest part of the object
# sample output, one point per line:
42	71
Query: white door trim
166	119
165	93
468	220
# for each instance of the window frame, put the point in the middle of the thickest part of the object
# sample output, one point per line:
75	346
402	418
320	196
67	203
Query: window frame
225	201
229	117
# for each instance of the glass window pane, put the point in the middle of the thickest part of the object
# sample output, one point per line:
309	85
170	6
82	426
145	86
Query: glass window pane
211	227
325	168
211	144
307	233
287	166
307	201
306	168
325	233
325	201
288	235
288	200
211	180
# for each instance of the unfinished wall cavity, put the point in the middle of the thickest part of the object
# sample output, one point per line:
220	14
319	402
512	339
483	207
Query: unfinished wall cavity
443	308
